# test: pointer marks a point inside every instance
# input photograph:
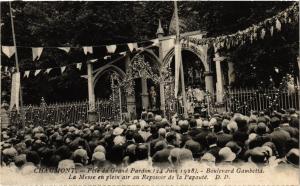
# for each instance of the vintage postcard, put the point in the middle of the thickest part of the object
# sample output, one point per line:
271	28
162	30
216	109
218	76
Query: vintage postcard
152	93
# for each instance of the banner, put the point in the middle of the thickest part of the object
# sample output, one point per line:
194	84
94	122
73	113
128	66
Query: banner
177	53
37	72
8	50
15	91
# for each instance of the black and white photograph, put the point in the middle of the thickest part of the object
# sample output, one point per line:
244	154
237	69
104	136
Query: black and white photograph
127	93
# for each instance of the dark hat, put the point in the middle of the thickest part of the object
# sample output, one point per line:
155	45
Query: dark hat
234	147
258	155
193	146
292	156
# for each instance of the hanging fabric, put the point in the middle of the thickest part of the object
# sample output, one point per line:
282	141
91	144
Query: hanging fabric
26	74
272	30
37	72
111	48
132	46
48	70
63	69
88	49
79	65
66	49
8	50
36	53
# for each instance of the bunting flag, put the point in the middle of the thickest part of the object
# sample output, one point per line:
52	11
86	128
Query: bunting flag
36	53
26	74
93	60
87	50
66	49
37	72
8	50
106	57
155	42
111	48
132	46
79	65
62	69
291	14
123	53
48	70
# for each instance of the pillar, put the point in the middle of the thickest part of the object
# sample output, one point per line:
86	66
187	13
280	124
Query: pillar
209	84
231	75
219	73
130	97
92	114
145	95
160	34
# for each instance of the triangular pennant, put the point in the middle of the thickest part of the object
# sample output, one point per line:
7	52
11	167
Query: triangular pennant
123	53
48	70
93	60
36	53
87	50
111	48
37	72
62	69
278	25
8	50
132	46
26	74
155	42
66	49
79	65
106	57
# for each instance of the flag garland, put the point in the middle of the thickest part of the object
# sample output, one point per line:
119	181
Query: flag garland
288	16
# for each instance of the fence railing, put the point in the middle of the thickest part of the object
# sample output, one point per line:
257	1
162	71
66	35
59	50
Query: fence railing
67	112
245	100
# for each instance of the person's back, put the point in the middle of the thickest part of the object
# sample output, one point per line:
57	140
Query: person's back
279	137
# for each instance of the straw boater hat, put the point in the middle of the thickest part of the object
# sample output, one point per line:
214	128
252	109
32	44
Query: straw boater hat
226	154
118	131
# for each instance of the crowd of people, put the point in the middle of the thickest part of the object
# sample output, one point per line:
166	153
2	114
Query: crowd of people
229	138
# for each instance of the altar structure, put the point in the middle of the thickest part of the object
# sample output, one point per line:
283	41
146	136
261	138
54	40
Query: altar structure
159	58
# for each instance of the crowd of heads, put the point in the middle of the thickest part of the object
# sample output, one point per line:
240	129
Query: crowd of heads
221	139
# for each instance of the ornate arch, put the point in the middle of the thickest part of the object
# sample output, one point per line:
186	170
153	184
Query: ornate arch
150	54
200	54
100	71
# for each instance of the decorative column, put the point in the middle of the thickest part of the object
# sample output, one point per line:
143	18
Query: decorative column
130	98
231	75
160	34
209	84
145	95
92	114
219	73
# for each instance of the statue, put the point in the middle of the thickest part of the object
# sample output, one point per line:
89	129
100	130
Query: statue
153	97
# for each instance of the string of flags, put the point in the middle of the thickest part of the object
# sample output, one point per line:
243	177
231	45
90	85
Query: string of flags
9	51
255	32
38	50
